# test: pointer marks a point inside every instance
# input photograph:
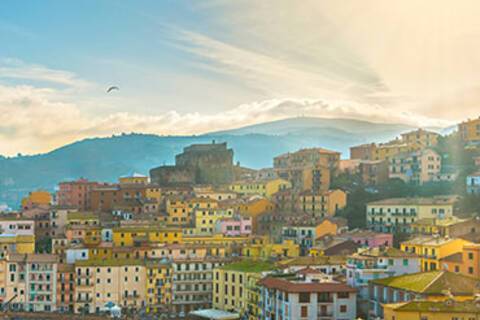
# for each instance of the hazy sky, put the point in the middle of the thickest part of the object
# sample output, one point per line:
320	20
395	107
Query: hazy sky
193	67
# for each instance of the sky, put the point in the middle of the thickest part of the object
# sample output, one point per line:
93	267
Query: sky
190	67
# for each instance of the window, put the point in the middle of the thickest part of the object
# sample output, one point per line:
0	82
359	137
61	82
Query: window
343	308
304	312
470	256
304	298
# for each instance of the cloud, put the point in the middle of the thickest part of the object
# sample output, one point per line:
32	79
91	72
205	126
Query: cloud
18	69
35	120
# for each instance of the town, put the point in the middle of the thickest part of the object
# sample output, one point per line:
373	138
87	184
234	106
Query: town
392	232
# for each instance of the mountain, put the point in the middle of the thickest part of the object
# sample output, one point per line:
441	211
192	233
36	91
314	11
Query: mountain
104	159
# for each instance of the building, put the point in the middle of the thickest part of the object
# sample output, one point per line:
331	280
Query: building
198	164
466	261
31	283
377	263
368	238
432	249
325	204
159	286
264	249
420	139
418	167
333	246
363	152
264	188
75	194
430	286
121	281
331	226
134	178
65	288
397	214
452	227
193	284
438	310
206	219
473	183
36	198
373	172
308	169
235	226
470	130
235	286
306	298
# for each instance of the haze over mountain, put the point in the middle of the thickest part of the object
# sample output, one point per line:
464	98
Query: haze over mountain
104	159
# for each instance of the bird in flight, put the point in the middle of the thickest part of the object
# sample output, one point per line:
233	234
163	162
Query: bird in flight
112	88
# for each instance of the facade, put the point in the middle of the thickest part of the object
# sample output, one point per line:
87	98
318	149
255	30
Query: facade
432	249
452	227
325	204
235	288
369	239
420	139
305	298
398	213
120	281
31	282
193	284
373	172
235	226
377	263
134	178
264	188
466	261
75	194
418	167
66	288
470	130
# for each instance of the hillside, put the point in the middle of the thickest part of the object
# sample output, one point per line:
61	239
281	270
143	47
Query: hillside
105	159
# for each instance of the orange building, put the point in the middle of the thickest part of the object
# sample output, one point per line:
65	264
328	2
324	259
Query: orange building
466	262
255	207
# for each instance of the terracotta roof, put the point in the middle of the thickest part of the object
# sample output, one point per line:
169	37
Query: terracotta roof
308	270
456	257
299	287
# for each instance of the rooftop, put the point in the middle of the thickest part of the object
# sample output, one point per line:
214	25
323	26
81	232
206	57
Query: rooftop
303	286
437	200
251	266
449	306
109	262
432	283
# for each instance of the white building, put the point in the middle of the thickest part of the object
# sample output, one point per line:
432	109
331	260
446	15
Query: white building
418	167
306	298
396	214
378	263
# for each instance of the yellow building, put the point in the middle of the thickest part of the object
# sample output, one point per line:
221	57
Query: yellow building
206	219
37	198
265	188
388	150
17	244
429	310
120	281
420	139
325	204
331	226
255	207
433	248
153	192
159	286
470	130
235	286
262	248
135	178
127	236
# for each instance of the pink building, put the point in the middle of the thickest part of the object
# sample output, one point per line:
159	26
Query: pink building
236	226
75	193
369	239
